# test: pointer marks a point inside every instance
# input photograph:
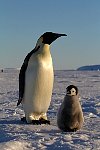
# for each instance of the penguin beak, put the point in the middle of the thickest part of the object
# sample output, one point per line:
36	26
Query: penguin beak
59	35
56	35
49	37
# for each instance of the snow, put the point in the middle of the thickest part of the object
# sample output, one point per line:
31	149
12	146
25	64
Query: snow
15	135
90	67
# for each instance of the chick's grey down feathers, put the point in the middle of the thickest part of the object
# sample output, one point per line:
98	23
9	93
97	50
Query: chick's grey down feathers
70	116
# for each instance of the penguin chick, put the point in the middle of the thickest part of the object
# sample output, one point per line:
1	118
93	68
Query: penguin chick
36	80
70	115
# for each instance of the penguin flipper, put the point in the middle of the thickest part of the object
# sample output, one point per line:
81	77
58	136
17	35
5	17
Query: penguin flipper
22	74
19	101
24	119
22	80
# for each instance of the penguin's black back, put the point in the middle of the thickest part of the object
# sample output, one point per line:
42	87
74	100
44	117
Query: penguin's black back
22	74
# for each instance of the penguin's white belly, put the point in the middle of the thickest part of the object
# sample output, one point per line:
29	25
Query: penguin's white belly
38	88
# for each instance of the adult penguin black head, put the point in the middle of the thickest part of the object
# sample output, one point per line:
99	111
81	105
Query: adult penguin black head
49	37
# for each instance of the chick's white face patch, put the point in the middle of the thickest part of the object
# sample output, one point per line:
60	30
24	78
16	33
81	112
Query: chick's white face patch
71	92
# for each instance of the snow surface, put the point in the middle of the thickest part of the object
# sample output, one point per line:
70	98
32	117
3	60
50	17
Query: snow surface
15	135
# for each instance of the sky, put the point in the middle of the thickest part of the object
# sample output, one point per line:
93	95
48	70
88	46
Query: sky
22	22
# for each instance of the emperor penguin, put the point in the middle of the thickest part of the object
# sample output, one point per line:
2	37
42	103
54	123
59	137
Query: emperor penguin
36	80
70	116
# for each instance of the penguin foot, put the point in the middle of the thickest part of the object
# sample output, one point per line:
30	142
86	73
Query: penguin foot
41	121
70	130
37	122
